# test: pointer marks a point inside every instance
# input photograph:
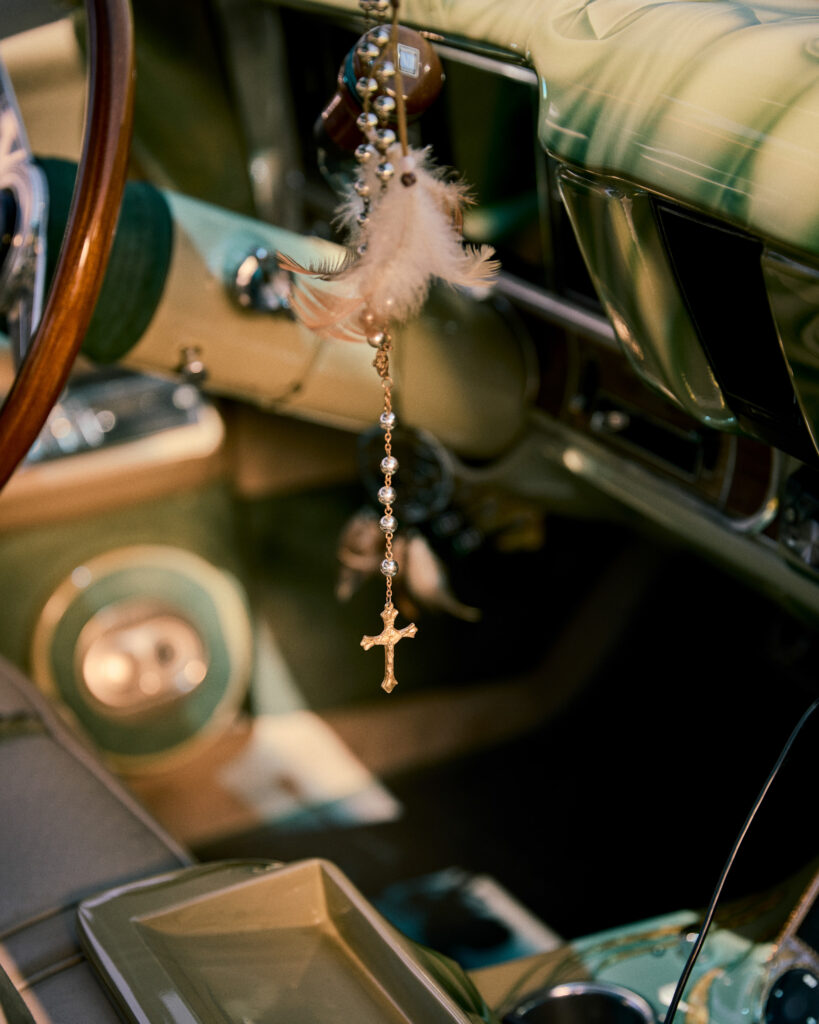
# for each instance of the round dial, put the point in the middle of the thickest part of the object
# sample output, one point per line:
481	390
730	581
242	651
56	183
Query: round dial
794	998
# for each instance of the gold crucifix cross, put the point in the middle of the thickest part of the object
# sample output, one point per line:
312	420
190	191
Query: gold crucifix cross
388	639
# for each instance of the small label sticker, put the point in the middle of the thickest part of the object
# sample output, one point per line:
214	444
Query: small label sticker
409	60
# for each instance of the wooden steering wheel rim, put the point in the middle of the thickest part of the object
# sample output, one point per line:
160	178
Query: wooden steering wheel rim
88	236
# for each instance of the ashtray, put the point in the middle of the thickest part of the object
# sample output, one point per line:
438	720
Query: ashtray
260	943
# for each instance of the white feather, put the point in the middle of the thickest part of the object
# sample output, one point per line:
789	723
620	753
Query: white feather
411	238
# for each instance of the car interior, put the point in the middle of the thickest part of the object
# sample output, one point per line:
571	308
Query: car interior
586	801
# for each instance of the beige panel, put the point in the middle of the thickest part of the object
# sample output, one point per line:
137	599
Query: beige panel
48	76
461	372
170	461
267	359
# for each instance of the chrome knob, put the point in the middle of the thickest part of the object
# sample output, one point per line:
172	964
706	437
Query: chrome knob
257	282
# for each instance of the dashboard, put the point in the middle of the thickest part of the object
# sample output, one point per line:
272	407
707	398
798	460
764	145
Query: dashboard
646	174
646	195
650	343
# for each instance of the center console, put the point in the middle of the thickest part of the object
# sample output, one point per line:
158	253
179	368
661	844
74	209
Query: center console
748	971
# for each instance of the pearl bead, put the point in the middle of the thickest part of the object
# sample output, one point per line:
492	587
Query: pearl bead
366	120
385	70
387	420
389	567
381	6
364	153
362	220
366	86
388	524
385	171
389	464
362	188
368	52
384	138
375	337
384	105
386	495
381	36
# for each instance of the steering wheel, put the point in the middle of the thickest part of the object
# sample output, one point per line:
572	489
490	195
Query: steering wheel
89	234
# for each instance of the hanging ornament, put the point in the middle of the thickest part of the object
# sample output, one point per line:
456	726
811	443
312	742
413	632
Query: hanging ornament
402	219
402	234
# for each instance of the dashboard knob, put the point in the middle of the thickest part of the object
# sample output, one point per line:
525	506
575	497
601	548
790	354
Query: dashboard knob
794	999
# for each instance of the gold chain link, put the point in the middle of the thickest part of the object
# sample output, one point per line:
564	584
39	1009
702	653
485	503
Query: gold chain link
382	364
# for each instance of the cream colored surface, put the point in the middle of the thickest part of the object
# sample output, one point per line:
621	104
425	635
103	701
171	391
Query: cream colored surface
263	769
268	359
48	76
460	371
93	482
465	374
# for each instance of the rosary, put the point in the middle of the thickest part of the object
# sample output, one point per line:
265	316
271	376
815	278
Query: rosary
403	225
390	636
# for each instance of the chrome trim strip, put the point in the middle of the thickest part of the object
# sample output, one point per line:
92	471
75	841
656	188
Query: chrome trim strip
557	310
23	275
623	998
482	62
769	509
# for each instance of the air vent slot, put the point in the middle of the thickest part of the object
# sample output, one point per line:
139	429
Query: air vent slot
719	273
687	453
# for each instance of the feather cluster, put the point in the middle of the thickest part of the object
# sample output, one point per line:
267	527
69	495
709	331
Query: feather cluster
411	236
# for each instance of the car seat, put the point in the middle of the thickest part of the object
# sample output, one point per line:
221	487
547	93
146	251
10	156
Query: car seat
68	829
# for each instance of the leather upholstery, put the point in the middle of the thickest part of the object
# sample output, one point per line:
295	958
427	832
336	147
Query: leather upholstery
68	829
